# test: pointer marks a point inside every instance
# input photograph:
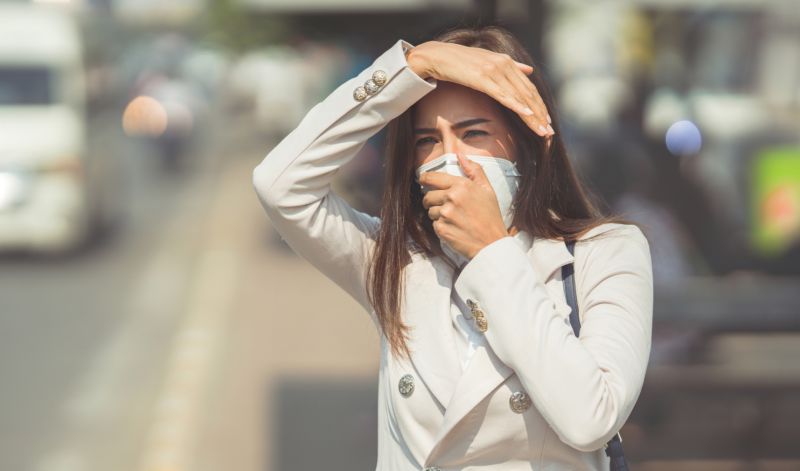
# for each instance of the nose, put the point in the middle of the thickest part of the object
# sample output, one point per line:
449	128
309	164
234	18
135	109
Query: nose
452	144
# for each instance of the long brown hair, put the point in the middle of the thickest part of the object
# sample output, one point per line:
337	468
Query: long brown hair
550	203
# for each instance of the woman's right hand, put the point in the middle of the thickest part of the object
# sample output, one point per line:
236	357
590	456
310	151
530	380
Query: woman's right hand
492	73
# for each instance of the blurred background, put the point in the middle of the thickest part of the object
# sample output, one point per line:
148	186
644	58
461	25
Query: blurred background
150	318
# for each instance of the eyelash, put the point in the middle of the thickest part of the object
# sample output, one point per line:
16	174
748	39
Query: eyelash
421	141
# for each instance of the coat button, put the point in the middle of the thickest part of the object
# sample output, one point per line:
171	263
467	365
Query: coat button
519	402
360	94
371	87
379	77
478	316
406	385
480	320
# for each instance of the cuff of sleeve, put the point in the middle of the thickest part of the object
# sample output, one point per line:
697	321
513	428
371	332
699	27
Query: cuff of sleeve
501	281
491	265
406	47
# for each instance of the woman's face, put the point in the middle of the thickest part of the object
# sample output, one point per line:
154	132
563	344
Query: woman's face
455	118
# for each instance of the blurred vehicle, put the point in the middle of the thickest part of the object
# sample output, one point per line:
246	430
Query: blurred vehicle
270	87
50	190
275	86
171	85
174	108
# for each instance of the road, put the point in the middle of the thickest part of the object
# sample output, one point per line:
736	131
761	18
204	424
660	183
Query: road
112	357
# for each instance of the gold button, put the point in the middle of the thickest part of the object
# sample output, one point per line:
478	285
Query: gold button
482	323
360	94
406	385
379	77
477	314
519	402
371	87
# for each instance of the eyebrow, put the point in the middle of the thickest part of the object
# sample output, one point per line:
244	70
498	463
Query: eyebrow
460	125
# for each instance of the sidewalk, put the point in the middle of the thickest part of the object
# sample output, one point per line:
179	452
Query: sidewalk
286	325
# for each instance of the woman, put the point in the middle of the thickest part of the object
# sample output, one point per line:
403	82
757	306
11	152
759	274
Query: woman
480	368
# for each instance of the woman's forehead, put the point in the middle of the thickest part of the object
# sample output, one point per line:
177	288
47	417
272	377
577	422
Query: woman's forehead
452	103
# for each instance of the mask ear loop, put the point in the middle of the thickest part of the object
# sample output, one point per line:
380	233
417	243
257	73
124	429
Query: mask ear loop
512	170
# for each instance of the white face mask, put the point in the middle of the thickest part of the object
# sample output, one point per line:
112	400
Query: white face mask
502	174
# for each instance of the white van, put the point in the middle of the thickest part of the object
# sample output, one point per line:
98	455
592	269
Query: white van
46	195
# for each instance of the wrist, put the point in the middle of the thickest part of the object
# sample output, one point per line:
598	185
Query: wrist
415	57
490	242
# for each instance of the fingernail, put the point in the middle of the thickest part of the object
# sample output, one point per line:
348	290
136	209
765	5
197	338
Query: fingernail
550	128
527	111
549	121
542	128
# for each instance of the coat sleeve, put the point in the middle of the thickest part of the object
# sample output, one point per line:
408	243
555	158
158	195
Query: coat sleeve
293	181
585	387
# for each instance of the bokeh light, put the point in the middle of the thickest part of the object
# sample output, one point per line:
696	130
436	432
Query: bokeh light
144	116
683	138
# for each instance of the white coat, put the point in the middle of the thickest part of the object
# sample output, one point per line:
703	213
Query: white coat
580	390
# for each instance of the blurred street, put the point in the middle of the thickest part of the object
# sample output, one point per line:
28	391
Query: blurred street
198	280
152	320
107	319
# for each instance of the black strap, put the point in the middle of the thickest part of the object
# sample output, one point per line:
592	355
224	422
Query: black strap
614	446
567	274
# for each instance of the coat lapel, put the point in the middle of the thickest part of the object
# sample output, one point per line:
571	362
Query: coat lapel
427	313
485	371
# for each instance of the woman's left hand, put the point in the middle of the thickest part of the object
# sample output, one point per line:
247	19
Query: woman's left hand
464	211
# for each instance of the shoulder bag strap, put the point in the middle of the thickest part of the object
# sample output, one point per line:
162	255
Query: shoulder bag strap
568	275
614	446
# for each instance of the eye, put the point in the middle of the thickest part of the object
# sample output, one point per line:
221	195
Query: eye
471	132
476	131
